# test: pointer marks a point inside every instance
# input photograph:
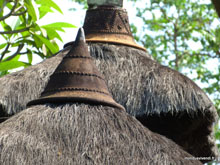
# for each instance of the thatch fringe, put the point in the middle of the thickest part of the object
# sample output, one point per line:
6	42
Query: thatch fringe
164	100
157	89
146	87
83	134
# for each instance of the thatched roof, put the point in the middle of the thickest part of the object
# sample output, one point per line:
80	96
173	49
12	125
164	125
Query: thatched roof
162	99
83	134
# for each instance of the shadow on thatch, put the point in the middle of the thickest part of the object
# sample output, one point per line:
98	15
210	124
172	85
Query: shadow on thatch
83	134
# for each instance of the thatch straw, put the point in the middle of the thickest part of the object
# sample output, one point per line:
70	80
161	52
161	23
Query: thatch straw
162	99
83	134
146	87
18	88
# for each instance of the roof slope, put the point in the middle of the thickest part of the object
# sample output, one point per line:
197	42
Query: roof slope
83	134
144	87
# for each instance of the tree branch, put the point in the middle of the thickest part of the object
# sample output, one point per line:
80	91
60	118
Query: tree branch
15	31
23	52
15	13
18	14
5	51
204	54
20	47
10	13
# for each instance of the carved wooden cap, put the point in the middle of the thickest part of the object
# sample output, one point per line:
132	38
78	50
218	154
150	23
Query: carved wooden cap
77	79
109	25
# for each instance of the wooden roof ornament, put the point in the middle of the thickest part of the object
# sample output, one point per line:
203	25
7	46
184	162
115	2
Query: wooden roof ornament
107	22
77	79
164	100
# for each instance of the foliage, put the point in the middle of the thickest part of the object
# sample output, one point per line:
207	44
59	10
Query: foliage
22	36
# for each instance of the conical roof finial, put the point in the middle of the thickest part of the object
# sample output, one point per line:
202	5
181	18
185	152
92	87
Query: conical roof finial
77	79
80	35
107	22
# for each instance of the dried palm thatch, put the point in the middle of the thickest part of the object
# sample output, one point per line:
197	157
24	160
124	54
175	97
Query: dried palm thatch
18	88
83	134
78	133
162	99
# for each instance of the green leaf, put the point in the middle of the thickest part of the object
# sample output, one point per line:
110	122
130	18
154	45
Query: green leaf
49	3
53	34
3	45
1	7
35	28
17	24
8	65
38	42
30	56
43	10
59	26
30	9
49	45
9	5
25	41
6	26
10	58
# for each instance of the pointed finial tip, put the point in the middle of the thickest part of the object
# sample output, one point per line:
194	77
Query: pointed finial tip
80	35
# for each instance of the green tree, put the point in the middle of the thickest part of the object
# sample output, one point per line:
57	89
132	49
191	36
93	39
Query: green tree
20	34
